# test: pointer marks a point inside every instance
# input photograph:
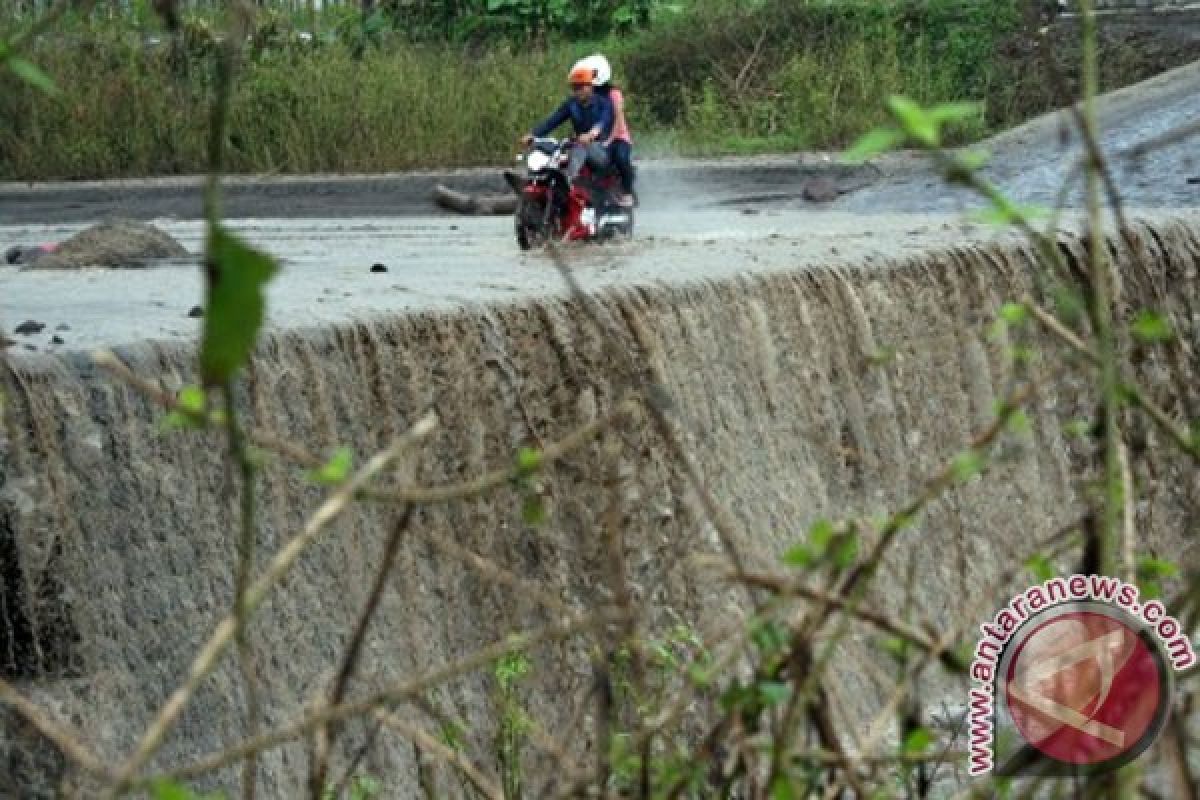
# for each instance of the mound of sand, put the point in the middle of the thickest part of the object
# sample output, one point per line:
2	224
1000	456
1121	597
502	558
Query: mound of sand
119	243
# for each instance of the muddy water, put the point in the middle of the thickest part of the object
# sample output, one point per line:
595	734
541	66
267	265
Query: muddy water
119	539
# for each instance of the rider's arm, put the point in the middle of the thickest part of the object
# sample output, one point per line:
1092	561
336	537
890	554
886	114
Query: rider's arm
561	115
604	125
618	102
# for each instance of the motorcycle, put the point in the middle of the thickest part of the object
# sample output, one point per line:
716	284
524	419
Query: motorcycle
552	206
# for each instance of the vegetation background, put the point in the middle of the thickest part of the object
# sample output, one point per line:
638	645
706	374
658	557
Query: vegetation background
396	85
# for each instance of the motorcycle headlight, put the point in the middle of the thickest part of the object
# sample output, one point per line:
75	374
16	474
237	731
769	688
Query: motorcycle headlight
537	160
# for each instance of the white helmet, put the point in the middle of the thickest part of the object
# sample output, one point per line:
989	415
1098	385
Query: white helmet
603	69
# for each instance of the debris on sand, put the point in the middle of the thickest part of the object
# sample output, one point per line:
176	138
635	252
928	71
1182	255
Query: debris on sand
463	203
20	256
196	312
29	327
114	243
821	190
379	268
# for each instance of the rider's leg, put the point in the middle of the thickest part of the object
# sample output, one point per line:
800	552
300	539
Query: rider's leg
575	159
622	156
597	156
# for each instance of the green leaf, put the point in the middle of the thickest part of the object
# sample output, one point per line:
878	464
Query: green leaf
1151	327
1005	212
781	788
700	676
170	790
769	637
453	734
1040	566
820	534
845	550
164	789
914	120
1069	304
365	787
799	555
967	465
1078	428
1149	572
236	306
873	143
974	159
917	741
32	74
176	420
881	356
897	648
1018	421
955	112
336	470
528	460
1014	313
774	693
533	510
191	400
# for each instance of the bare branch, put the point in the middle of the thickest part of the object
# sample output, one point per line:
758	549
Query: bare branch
209	656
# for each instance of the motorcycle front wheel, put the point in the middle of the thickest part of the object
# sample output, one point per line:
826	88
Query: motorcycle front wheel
530	223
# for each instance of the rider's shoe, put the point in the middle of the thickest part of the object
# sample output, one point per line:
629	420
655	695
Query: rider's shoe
625	200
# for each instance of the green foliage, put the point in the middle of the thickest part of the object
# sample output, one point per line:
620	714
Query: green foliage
917	742
825	543
516	19
362	787
190	410
967	465
1014	313
171	790
236	304
529	461
1151	327
1040	566
1151	572
514	723
336	470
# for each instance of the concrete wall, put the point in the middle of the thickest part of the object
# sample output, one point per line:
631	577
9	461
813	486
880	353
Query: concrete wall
118	546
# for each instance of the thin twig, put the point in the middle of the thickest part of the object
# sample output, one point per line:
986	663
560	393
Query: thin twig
658	399
209	656
501	477
1176	432
484	784
327	736
245	567
66	740
392	695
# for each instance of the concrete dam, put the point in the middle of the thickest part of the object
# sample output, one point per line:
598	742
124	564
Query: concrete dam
816	365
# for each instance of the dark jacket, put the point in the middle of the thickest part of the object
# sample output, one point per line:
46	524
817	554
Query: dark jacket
583	118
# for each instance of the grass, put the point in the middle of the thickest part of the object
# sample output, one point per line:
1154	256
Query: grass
707	83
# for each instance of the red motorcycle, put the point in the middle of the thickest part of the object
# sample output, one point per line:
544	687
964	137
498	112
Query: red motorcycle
552	206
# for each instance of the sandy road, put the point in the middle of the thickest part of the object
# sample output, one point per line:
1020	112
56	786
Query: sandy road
700	220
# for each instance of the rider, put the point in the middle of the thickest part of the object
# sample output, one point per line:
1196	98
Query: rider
620	144
591	115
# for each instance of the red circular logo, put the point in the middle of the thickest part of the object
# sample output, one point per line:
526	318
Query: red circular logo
1085	688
